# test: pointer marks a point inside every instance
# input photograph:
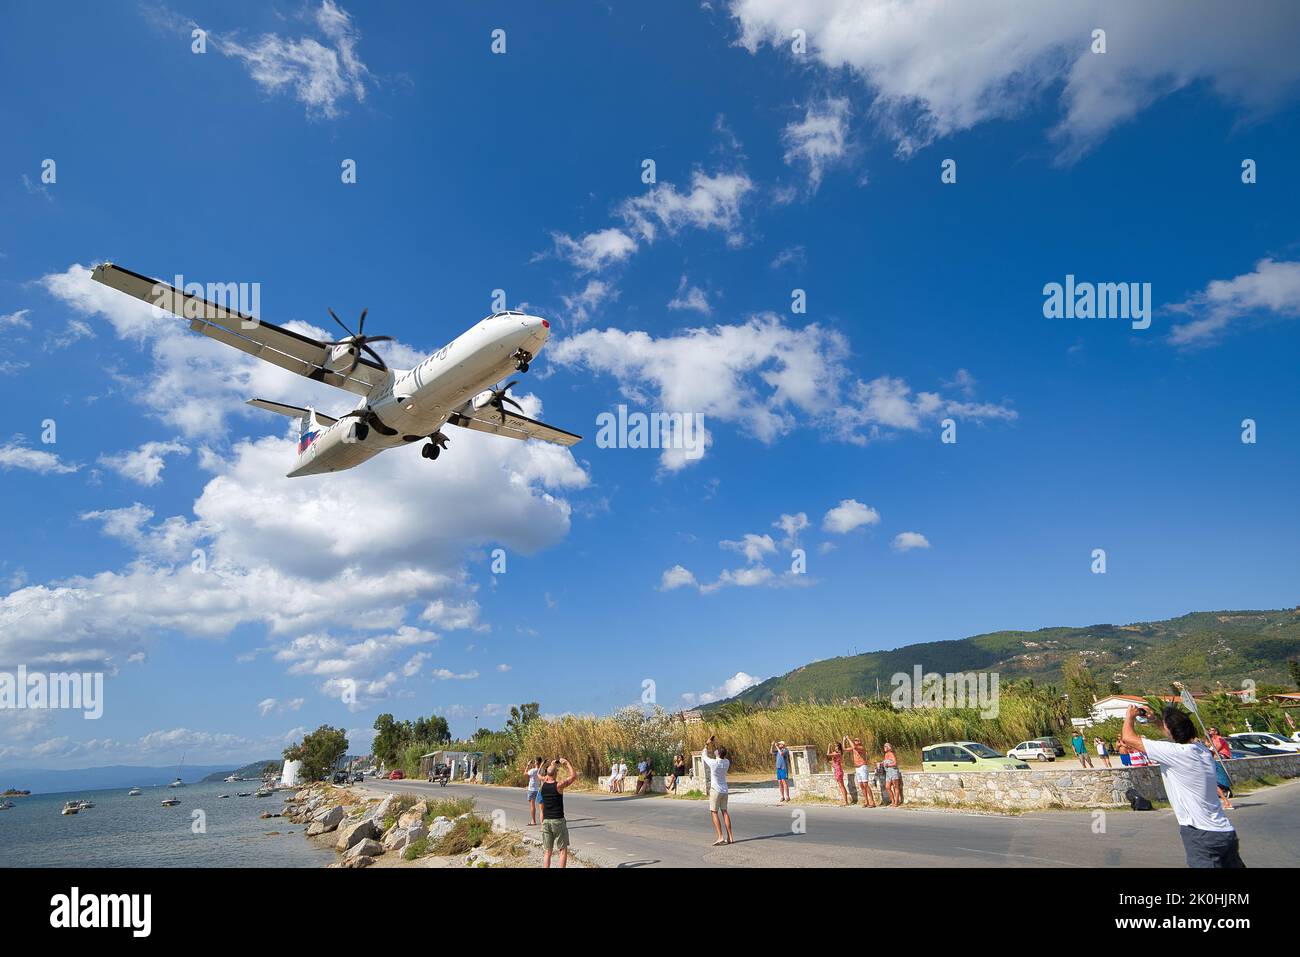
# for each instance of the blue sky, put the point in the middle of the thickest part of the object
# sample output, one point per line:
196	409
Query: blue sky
522	171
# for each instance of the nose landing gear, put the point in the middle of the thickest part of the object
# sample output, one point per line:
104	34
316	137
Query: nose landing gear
437	442
522	357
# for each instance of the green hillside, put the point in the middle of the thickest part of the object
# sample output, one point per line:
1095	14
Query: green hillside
1204	650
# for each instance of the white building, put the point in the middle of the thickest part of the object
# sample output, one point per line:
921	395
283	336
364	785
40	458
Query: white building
1114	706
289	774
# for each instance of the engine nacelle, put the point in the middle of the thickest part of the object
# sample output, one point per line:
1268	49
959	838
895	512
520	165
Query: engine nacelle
341	357
481	400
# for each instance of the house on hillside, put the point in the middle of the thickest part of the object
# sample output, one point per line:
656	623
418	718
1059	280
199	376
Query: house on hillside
1114	706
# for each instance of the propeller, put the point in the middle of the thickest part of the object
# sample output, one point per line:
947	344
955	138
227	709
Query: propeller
499	398
359	339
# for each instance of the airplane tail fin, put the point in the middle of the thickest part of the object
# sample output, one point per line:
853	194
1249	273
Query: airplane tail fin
309	421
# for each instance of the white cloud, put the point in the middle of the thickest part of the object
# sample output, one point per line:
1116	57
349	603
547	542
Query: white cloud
934	67
444	674
1272	287
285	554
762	376
145	464
16	320
791	526
752	546
848	515
503	667
713	202
582	305
733	686
747	577
677	577
16	455
820	139
451	616
319	75
595	251
691	298
790	256
906	541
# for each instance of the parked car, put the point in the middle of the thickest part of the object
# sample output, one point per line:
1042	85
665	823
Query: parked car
396	776
1035	750
1265	739
1250	749
1049	741
340	777
967	756
358	778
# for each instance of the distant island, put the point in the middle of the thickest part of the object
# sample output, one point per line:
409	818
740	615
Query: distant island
15	793
249	772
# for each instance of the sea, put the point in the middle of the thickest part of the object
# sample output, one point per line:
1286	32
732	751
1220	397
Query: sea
123	831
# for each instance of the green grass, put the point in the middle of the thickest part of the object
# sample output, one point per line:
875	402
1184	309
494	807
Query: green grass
467	834
452	808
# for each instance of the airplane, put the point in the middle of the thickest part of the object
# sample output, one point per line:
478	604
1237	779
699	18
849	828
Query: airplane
454	386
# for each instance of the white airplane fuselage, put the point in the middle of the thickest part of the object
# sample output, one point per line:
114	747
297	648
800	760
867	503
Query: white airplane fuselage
416	403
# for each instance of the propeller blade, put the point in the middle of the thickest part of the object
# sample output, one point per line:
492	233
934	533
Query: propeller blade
340	322
378	358
506	398
361	323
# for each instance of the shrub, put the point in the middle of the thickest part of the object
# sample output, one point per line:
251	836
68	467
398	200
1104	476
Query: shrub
467	834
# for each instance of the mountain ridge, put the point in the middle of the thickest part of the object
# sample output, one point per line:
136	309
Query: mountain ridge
1205	650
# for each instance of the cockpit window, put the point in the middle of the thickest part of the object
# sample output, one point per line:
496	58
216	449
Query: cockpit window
507	312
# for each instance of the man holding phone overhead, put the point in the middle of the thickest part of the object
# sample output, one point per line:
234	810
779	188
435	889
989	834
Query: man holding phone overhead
1187	770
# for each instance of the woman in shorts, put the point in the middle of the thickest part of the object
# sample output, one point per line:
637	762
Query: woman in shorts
893	778
534	790
836	757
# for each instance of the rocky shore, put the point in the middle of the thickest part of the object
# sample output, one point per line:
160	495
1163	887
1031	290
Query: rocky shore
367	828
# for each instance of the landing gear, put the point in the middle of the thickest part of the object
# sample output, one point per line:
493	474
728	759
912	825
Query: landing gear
437	442
522	357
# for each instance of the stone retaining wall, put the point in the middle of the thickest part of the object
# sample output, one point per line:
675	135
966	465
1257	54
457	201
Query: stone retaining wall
1041	787
658	784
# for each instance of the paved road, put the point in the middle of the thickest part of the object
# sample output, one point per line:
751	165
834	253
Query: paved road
629	831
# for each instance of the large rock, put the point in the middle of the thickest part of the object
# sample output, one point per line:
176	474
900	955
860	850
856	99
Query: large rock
379	812
365	848
480	858
440	828
331	817
352	834
400	837
416	813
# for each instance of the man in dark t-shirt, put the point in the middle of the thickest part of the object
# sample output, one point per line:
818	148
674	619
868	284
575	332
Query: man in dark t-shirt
555	829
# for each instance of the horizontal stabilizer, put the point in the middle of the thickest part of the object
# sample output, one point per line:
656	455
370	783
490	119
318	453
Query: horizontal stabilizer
292	411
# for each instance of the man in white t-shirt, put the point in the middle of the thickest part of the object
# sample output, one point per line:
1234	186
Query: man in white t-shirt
718	791
1187	770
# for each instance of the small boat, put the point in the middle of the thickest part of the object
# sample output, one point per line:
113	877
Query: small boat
82	804
178	783
223	795
233	778
244	794
171	802
70	807
264	792
6	805
134	792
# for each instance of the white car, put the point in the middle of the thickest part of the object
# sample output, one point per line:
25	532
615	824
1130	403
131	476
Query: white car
1032	749
1266	739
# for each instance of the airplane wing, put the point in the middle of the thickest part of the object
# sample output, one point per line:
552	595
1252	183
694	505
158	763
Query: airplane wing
292	411
279	346
515	426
